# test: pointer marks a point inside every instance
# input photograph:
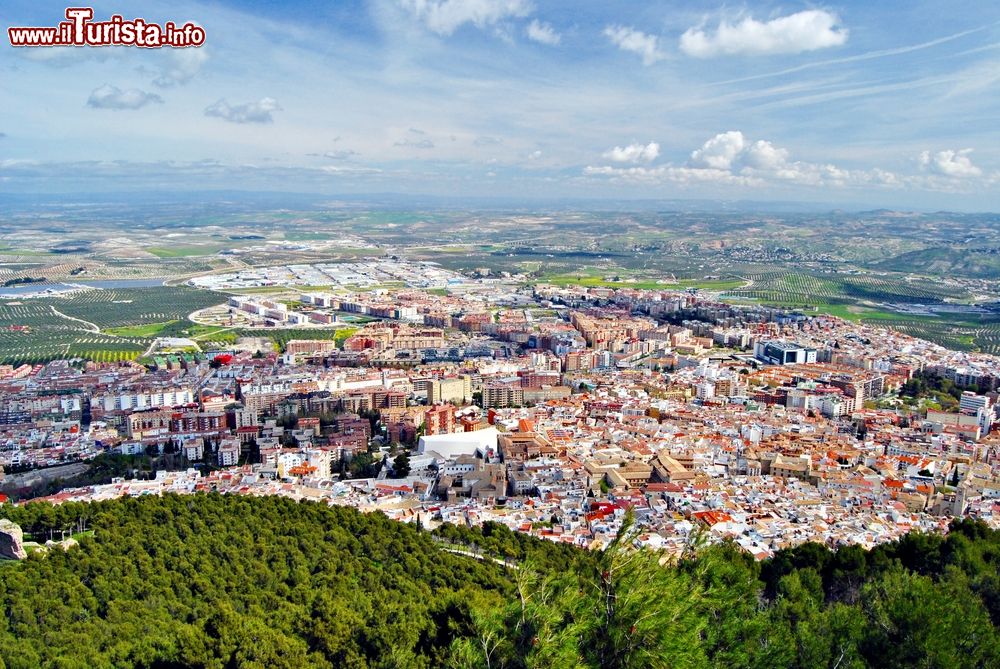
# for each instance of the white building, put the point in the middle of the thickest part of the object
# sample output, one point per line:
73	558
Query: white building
452	445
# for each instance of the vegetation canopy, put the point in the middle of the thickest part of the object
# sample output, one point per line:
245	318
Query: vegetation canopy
225	581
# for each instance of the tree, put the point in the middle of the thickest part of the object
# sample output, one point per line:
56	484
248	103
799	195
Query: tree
636	612
401	465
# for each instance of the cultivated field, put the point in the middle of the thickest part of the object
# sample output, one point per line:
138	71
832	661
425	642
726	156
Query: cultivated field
99	325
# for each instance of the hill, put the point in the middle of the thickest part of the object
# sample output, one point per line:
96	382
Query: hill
226	581
947	261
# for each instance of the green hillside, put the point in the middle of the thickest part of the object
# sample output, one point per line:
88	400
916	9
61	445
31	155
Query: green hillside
982	262
228	581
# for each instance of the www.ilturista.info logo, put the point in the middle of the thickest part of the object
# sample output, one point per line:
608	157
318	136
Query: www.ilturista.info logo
80	30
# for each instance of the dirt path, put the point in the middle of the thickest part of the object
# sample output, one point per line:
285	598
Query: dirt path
91	327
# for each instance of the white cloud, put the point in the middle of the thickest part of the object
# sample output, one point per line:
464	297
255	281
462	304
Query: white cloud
415	143
763	155
542	32
635	41
669	173
730	158
804	31
181	66
248	112
341	170
719	152
445	16
112	97
949	163
535	155
633	153
343	154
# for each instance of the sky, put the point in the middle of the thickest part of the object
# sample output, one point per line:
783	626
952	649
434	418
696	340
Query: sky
891	103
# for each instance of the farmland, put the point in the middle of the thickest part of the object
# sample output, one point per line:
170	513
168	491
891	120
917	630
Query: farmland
793	288
99	325
32	332
626	281
878	300
876	266
135	306
964	334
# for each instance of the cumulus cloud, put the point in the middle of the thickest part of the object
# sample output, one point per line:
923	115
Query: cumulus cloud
730	158
181	66
635	41
804	31
542	33
445	16
763	155
112	97
248	112
634	153
949	163
720	151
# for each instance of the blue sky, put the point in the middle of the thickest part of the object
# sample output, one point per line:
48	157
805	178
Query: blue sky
882	104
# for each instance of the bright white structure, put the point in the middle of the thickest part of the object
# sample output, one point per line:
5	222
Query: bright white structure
450	446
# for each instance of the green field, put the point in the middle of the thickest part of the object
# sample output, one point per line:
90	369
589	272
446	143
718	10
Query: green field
212	334
964	334
147	330
594	281
183	251
129	307
110	325
858	298
801	289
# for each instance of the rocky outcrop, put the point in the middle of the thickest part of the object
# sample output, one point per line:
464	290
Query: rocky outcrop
65	544
11	541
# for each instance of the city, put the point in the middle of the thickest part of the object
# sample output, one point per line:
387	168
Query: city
500	334
550	410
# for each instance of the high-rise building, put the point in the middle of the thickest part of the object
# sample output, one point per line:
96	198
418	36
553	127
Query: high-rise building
439	419
457	390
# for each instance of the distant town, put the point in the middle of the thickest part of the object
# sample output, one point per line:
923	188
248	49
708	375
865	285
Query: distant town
551	409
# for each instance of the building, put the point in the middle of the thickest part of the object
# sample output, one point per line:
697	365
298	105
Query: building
502	396
310	346
457	390
194	449
452	445
439	419
783	353
131	401
979	406
229	453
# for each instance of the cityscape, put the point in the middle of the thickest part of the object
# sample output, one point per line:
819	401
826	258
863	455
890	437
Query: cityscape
524	404
500	334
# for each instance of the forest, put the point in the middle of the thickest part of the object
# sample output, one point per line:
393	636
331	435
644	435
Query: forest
220	581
